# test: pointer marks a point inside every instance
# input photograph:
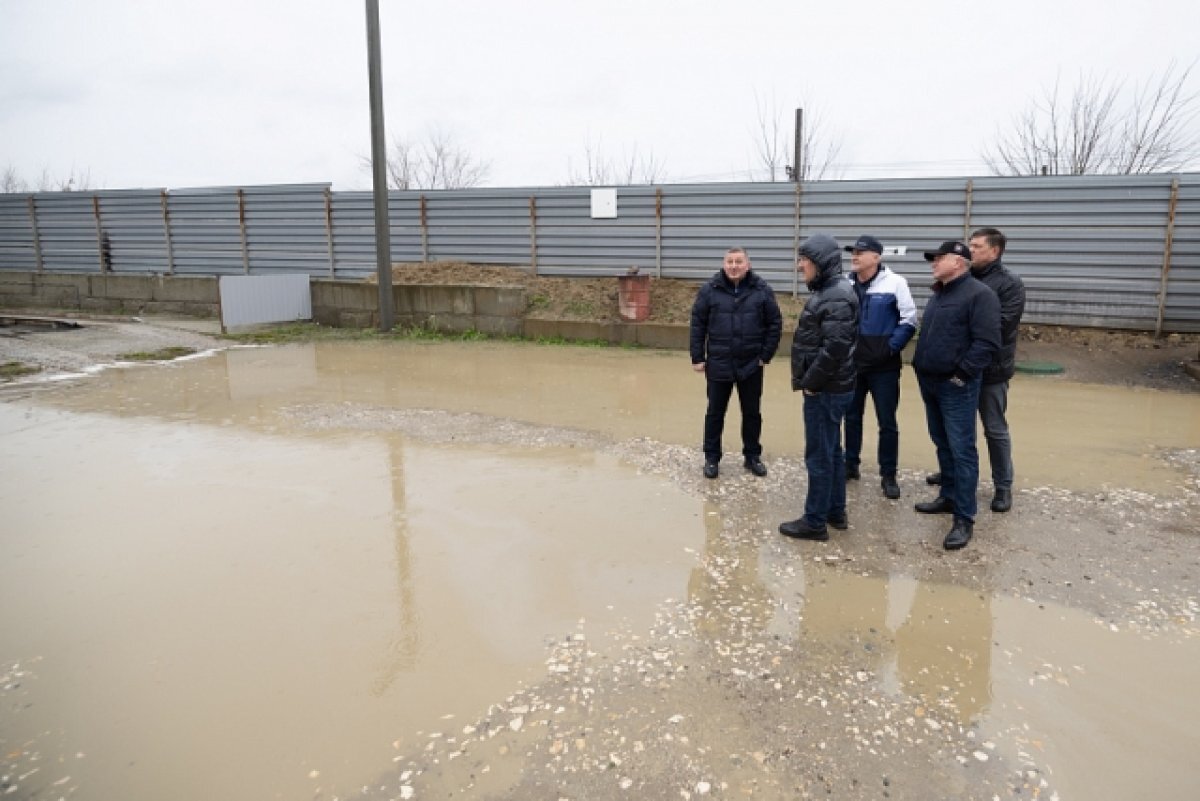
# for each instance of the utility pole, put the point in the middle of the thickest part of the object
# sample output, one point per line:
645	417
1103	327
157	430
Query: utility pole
383	237
798	155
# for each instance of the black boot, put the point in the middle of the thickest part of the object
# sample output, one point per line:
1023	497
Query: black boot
710	469
960	534
938	506
933	479
1002	500
840	522
890	488
755	466
852	472
800	529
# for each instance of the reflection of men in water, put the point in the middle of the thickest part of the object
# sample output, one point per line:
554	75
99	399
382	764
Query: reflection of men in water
823	368
735	331
960	332
887	320
987	246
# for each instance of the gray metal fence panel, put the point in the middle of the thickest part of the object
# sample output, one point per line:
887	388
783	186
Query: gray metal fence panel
67	232
1091	249
17	251
1182	302
133	222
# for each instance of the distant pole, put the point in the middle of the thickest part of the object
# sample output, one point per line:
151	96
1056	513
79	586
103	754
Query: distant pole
383	238
798	155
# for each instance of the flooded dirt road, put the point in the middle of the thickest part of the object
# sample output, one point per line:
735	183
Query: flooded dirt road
487	570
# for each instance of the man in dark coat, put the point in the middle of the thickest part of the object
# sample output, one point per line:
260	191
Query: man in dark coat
735	331
987	246
960	334
823	369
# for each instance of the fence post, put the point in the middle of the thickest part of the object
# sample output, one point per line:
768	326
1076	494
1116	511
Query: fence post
241	200
99	233
424	233
658	225
37	236
796	244
533	267
1166	268
329	228
967	213
166	214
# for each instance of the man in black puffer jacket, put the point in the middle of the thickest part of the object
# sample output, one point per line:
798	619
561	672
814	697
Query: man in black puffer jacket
823	368
735	331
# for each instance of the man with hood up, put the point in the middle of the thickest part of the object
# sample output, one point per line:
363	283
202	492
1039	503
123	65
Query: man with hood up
823	369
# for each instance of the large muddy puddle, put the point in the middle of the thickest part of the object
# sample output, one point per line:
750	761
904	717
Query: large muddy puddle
234	578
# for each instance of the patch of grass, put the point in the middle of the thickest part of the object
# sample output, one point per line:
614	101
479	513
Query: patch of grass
11	370
582	308
539	302
578	343
160	355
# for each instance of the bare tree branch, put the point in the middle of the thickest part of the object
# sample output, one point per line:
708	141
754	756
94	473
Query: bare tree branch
599	170
774	149
1092	132
11	181
438	162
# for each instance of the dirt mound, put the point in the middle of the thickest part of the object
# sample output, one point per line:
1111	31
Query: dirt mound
571	298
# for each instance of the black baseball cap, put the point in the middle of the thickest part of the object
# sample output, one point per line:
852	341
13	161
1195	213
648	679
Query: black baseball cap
949	246
865	242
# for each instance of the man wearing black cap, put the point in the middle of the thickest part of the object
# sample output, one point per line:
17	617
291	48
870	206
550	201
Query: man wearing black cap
960	333
887	320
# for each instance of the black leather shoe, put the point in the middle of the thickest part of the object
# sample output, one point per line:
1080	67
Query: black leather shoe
852	472
1002	500
960	534
710	470
755	466
890	487
933	479
840	522
799	529
938	506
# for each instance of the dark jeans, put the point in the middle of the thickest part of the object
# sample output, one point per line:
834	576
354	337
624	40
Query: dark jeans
950	414
823	455
749	391
993	403
884	389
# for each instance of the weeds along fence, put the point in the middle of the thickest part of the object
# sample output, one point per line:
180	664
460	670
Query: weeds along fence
1097	251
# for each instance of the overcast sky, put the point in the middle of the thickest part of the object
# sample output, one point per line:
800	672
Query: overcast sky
182	93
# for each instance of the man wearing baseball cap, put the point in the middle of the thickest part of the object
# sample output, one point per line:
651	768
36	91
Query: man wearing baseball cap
960	334
887	320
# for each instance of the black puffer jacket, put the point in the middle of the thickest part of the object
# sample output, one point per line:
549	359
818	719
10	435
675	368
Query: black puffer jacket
823	348
733	329
1010	289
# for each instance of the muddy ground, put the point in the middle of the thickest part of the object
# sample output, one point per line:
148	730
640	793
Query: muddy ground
719	698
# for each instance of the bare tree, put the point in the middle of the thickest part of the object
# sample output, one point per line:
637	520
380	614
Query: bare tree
75	181
1095	132
437	162
774	148
599	170
11	181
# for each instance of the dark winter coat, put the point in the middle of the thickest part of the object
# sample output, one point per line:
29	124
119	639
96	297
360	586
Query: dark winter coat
960	330
827	332
735	327
1010	289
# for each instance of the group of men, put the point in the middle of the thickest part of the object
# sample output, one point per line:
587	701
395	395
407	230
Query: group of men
848	345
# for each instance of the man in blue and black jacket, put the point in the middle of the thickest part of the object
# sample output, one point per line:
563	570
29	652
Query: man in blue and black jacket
960	334
887	320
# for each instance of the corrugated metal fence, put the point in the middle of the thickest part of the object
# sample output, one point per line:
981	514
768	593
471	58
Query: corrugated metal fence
1106	251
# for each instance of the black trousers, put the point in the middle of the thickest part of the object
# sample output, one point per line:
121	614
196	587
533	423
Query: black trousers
749	390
